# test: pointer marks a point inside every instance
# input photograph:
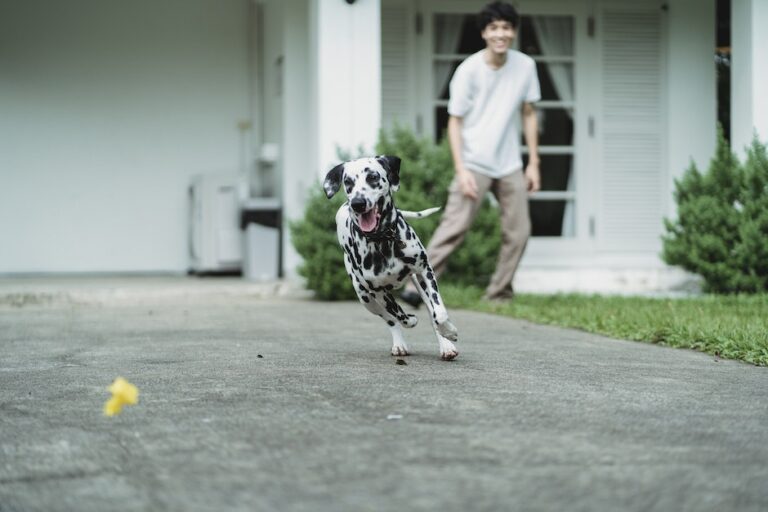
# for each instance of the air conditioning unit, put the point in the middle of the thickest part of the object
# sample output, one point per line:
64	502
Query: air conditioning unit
215	236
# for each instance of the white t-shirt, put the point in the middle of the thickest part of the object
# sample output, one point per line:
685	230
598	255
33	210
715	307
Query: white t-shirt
489	100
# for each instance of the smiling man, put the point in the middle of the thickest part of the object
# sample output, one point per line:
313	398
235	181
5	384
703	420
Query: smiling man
488	93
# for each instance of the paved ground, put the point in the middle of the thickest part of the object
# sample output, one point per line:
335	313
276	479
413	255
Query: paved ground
527	418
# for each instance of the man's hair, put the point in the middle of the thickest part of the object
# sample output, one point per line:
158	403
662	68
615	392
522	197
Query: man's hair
495	11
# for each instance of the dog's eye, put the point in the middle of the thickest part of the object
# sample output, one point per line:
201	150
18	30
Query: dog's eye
372	179
348	184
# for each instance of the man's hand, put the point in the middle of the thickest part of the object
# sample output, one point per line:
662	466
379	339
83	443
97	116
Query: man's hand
533	177
467	184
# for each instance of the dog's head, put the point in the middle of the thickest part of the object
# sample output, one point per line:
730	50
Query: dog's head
369	183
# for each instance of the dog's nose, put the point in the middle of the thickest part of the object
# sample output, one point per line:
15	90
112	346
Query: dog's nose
358	204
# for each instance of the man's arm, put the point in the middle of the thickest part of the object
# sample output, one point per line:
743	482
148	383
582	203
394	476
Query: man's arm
531	132
467	182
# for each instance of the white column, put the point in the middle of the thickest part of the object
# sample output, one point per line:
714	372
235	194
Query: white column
692	86
348	77
749	73
296	82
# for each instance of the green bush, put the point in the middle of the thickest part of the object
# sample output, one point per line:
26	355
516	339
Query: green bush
721	230
426	171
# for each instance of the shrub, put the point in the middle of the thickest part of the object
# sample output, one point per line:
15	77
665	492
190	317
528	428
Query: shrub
426	171
314	237
721	230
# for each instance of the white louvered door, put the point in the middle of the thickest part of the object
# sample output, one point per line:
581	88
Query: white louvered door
397	87
631	130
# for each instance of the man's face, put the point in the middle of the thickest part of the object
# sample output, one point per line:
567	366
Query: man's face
498	36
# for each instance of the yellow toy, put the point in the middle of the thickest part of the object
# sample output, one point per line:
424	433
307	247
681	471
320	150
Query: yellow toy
123	392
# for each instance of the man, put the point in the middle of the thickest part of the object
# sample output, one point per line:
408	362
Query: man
488	92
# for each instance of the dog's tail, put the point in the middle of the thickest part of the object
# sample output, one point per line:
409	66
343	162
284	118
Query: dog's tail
419	215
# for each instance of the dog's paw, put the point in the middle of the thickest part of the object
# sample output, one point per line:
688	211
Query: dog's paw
410	321
450	355
447	350
448	330
400	350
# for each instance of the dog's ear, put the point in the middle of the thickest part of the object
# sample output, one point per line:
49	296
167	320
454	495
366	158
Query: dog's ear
333	181
392	165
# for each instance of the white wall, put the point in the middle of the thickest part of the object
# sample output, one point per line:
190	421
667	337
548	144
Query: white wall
692	85
107	109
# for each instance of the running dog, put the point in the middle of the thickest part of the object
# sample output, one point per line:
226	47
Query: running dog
381	250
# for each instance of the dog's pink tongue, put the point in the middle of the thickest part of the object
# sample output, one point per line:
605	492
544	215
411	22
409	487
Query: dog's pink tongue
368	221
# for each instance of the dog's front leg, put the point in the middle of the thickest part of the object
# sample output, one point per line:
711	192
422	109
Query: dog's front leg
444	330
376	304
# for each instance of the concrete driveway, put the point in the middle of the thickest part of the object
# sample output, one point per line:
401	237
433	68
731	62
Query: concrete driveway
293	405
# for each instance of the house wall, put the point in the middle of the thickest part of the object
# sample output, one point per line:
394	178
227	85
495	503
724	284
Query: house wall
108	109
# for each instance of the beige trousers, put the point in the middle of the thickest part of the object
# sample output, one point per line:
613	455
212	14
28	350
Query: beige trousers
460	211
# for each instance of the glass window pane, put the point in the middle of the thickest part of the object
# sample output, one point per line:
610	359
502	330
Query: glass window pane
546	35
552	217
556	172
441	78
456	33
556	80
555	127
441	123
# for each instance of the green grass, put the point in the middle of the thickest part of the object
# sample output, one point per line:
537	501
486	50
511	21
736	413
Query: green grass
730	327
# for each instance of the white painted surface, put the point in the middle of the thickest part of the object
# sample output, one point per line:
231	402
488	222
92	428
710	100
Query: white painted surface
760	67
398	90
299	164
632	128
692	84
108	108
749	76
348	52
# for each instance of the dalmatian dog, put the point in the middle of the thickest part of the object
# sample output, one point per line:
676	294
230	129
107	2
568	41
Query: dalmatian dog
381	250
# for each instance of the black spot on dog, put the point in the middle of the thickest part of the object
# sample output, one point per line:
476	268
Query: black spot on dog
368	261
436	299
358	258
390	323
408	260
403	273
378	263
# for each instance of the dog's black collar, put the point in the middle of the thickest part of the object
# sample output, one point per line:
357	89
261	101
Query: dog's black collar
385	235
389	234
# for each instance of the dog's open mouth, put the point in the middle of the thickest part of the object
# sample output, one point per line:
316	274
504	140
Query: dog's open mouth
369	220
